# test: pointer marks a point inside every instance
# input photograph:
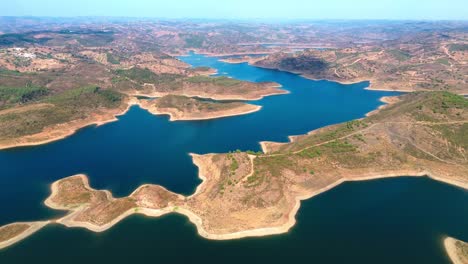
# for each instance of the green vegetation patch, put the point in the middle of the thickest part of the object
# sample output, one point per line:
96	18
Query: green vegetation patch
234	164
443	61
440	103
189	104
13	95
256	153
88	96
328	134
449	100
340	146
96	40
146	76
68	105
400	55
10	72
12	39
304	63
202	68
192	40
274	165
426	106
456	134
112	59
221	81
310	153
458	47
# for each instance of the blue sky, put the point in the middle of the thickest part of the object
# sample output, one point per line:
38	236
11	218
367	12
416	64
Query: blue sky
241	9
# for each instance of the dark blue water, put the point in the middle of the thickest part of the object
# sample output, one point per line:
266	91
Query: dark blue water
142	148
398	220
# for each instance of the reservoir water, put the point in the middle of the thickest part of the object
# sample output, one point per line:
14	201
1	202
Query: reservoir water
397	220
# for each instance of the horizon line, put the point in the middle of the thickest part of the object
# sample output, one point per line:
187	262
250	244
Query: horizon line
240	18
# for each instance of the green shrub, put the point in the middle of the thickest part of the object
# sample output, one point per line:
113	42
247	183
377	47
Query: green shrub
13	95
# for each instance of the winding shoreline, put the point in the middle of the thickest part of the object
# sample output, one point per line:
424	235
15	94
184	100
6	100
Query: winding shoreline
198	221
387	100
61	131
306	76
370	87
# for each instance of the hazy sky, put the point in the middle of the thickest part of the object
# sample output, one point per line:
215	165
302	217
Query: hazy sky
284	9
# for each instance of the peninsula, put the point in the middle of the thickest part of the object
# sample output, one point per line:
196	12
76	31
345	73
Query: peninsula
187	108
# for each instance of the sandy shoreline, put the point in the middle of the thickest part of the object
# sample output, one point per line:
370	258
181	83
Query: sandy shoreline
292	215
387	100
266	231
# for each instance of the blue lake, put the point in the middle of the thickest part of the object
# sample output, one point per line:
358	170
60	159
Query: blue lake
141	148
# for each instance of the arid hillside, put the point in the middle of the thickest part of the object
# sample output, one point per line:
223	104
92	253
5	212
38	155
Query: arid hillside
424	62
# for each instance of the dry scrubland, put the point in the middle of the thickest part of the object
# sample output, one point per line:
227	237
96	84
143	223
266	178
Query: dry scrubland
418	63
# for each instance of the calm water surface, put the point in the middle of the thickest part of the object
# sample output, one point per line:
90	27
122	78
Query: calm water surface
380	220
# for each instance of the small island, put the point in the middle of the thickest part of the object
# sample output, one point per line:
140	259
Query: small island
246	194
457	250
186	108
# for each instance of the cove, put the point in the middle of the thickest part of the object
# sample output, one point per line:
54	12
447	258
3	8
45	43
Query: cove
397	220
141	148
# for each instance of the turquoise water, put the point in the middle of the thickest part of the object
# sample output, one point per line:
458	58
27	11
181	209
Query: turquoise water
141	148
